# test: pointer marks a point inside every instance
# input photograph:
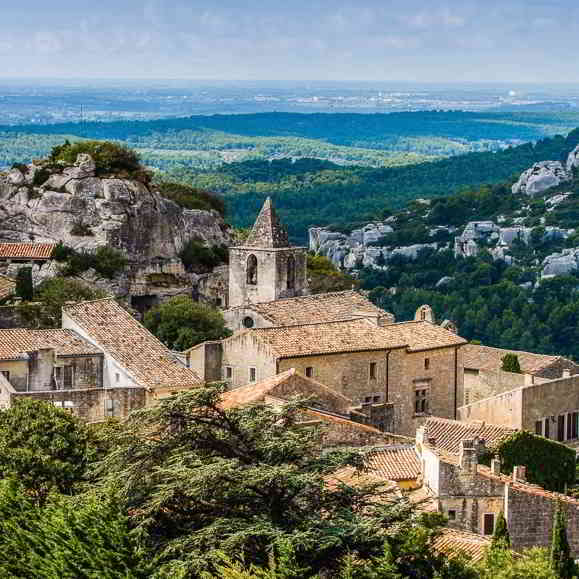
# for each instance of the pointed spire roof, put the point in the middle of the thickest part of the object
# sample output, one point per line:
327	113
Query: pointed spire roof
267	230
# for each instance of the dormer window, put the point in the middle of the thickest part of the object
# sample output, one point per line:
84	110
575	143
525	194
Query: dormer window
251	270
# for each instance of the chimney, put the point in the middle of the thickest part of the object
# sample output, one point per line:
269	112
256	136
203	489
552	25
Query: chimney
566	373
519	473
496	466
468	458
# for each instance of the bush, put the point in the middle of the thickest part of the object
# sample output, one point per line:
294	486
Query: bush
181	323
200	258
191	198
105	260
81	230
511	364
323	276
110	158
24	286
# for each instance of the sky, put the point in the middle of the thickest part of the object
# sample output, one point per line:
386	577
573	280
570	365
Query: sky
412	40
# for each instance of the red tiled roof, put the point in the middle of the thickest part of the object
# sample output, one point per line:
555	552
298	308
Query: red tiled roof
15	343
257	391
448	433
397	463
453	542
149	361
26	250
333	419
419	335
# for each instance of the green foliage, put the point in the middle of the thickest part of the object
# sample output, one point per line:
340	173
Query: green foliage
501	538
24	286
323	276
563	564
55	292
510	363
181	323
42	447
504	564
204	482
201	258
549	463
83	537
110	158
191	198
106	261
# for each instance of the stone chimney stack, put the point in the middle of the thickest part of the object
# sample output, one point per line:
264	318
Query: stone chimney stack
496	466
468	458
519	473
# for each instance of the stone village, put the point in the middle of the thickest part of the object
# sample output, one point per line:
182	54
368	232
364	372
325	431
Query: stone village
422	402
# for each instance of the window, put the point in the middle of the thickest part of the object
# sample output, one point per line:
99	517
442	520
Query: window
309	371
248	322
111	407
368	400
467	396
569	421
546	435
58	376
488	524
372	370
561	428
117	377
574	425
539	427
376	399
421	401
251	270
291	272
426	363
452	515
228	372
67	377
252	374
6	374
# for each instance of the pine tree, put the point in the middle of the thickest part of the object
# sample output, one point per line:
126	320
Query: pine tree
561	560
501	538
511	364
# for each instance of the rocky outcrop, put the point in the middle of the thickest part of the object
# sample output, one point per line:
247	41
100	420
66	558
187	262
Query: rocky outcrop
573	159
540	177
73	205
561	263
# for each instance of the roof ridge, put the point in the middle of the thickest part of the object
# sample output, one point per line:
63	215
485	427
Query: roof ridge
324	323
109	298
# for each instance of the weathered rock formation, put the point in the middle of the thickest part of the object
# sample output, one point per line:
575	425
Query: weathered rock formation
540	177
573	159
74	206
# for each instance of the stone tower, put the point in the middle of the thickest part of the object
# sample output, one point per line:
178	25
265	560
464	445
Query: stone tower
266	267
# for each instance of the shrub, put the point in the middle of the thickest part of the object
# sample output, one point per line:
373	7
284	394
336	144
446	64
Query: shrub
200	258
549	463
511	364
81	230
24	286
110	158
106	261
191	198
40	177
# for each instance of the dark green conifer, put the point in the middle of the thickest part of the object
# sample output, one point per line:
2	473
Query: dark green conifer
561	560
511	364
501	538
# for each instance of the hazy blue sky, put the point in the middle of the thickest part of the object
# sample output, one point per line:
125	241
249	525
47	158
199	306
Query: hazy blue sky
491	40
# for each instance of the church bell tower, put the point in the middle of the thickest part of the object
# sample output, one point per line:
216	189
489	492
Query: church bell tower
266	268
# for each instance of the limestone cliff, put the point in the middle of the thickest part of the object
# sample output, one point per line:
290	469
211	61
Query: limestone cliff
72	205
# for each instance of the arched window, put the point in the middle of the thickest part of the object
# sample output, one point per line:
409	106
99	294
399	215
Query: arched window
252	270
291	272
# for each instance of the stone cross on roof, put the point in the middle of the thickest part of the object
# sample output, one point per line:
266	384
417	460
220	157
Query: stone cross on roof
267	230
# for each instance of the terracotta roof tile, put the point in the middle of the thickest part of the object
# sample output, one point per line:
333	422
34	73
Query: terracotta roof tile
326	307
423	335
7	286
119	334
26	250
396	463
452	542
487	358
334	419
257	391
447	433
326	338
15	343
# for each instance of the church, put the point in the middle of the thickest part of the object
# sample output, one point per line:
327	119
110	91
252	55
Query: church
397	374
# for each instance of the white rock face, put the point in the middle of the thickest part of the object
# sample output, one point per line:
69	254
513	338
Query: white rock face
573	159
561	263
83	211
540	177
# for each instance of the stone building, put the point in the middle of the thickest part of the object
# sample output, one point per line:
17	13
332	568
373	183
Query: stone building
413	368
471	496
266	267
550	408
103	363
483	376
7	287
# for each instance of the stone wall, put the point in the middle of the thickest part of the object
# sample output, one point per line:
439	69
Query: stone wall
92	405
481	384
504	409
